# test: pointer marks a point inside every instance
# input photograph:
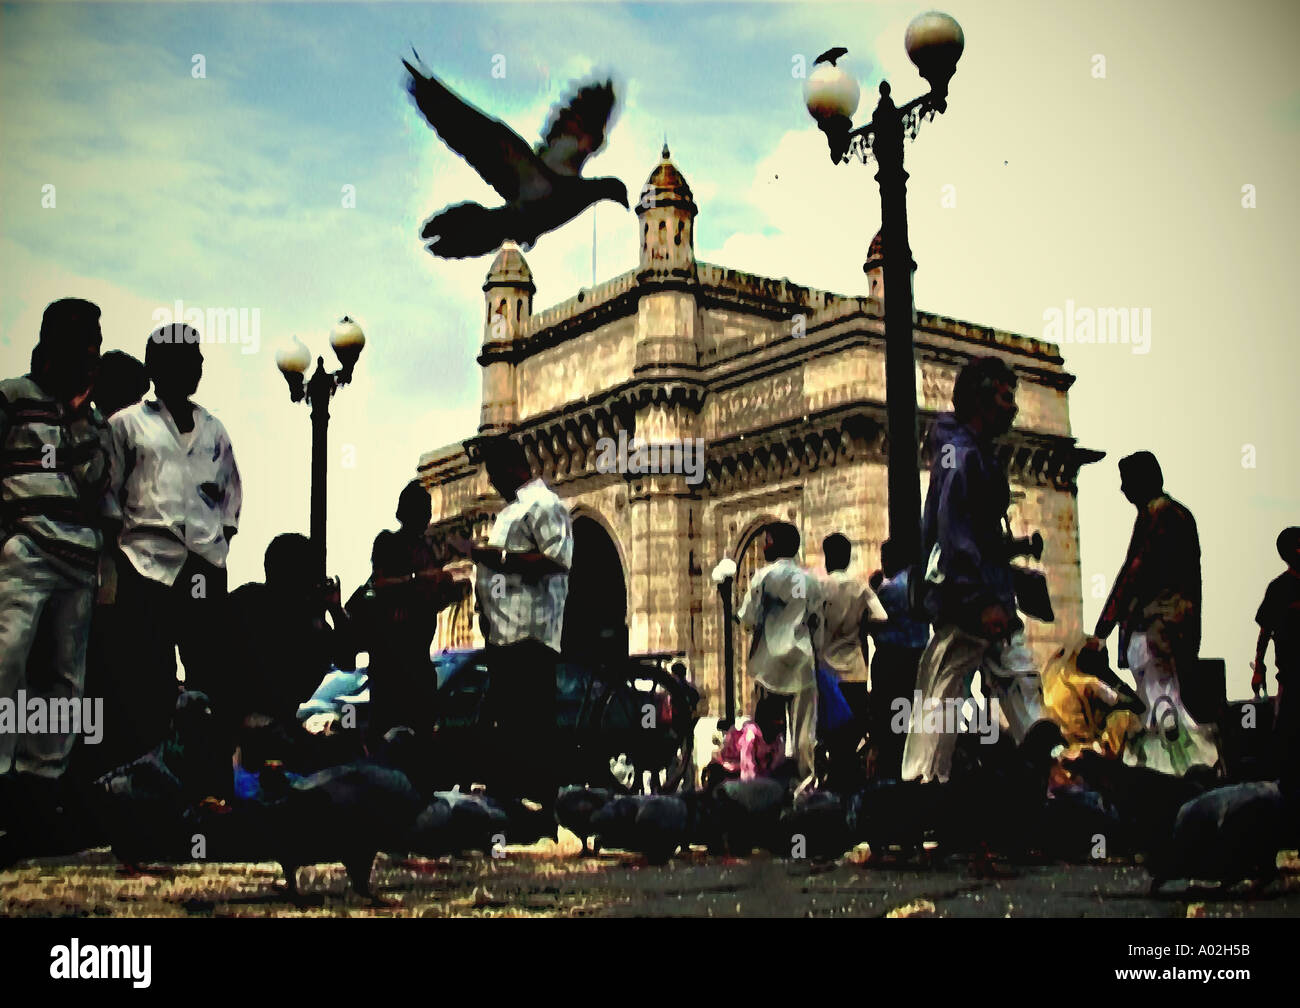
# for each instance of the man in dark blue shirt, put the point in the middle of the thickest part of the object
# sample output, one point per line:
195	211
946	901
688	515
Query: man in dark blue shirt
899	644
969	592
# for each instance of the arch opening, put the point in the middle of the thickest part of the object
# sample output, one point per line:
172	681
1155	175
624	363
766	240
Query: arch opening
595	614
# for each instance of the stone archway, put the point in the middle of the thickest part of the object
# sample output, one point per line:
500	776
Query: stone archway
595	614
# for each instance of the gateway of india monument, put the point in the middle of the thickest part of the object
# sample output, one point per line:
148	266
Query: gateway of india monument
784	387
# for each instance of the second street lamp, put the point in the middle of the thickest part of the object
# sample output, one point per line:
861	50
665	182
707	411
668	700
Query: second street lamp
347	340
934	42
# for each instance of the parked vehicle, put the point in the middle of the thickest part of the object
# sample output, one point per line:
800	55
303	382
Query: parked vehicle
634	719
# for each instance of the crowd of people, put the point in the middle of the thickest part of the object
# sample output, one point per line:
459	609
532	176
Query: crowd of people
936	624
118	509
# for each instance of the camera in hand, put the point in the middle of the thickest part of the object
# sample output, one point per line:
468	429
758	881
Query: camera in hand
1031	545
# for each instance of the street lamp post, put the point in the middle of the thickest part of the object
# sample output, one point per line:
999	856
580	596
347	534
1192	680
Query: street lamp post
724	577
347	340
934	42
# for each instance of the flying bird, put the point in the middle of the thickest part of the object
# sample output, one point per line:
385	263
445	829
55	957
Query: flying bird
543	187
830	55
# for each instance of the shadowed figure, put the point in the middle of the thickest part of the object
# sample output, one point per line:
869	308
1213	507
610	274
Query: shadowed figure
146	807
122	382
543	188
1156	605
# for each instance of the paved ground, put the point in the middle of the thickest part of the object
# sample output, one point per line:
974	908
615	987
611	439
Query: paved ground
549	881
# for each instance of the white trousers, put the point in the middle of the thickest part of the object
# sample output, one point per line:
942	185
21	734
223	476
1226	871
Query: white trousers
1008	676
801	730
1157	684
1171	741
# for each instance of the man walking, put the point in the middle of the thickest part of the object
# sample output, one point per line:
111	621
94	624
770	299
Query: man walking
54	507
783	611
521	583
969	592
1156	603
175	473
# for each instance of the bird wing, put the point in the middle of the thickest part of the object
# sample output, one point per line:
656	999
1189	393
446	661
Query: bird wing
466	230
493	149
577	129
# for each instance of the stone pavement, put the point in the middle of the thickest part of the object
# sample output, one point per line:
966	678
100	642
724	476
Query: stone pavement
547	881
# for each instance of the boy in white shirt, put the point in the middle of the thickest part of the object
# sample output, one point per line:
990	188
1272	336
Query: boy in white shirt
782	609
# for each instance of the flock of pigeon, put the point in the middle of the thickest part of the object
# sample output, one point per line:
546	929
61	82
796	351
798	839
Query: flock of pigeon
152	809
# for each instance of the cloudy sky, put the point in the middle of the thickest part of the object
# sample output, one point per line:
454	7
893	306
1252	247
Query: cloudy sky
1097	155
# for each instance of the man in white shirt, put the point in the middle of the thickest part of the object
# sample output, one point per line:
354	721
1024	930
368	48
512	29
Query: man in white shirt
850	605
175	474
782	609
521	583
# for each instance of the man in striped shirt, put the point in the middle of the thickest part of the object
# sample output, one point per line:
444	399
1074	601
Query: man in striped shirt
54	507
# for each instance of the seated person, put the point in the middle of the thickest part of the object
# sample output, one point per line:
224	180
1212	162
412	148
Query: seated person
262	743
281	645
755	749
1095	711
1092	707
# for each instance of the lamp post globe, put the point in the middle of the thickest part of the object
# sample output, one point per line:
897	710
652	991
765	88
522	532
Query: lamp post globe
934	42
831	96
348	341
830	91
293	361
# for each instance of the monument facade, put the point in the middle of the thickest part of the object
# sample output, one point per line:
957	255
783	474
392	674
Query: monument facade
680	406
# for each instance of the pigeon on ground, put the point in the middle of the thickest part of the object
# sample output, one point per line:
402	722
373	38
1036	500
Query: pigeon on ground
1073	820
543	188
575	806
747	814
661	827
815	828
455	823
343	814
1226	835
653	825
146	807
1148	802
613	824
